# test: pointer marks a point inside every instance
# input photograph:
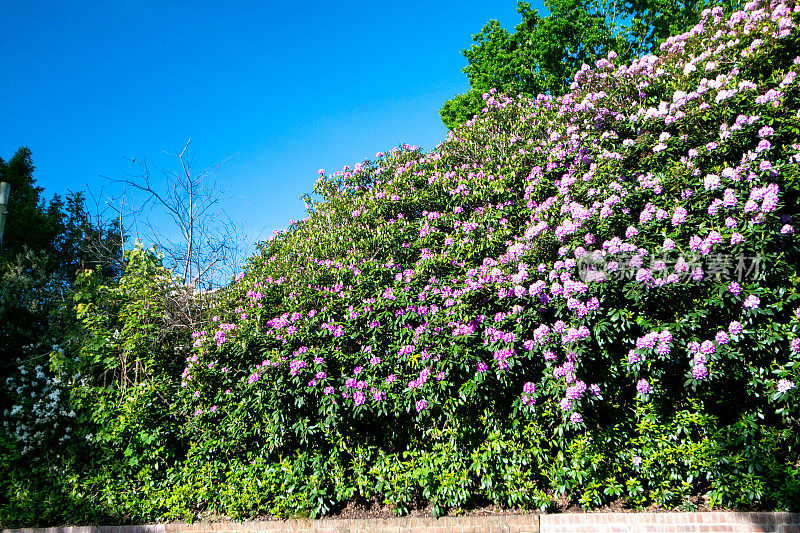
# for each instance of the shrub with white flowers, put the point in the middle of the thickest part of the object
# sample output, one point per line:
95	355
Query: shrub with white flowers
40	418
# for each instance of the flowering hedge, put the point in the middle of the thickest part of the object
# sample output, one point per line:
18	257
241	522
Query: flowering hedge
588	297
577	299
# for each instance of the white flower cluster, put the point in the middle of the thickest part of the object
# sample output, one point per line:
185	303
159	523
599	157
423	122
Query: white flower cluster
40	418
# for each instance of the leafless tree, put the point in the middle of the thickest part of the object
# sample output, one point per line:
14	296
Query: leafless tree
206	244
105	246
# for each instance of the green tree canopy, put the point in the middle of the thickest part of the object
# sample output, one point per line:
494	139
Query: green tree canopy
30	221
45	244
543	53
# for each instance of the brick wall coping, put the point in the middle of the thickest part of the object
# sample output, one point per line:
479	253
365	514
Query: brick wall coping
526	523
712	522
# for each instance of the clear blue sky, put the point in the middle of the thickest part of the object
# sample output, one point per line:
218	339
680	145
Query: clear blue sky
278	90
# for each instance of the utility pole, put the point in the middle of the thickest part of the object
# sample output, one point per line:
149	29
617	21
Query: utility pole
5	189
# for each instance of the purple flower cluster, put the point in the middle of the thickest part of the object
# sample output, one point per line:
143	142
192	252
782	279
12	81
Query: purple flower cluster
467	273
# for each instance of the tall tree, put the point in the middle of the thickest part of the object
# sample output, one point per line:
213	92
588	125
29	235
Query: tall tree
543	53
30	221
203	243
44	245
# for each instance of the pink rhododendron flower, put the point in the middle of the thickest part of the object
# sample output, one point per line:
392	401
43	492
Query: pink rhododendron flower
711	182
795	346
707	347
699	372
679	216
752	302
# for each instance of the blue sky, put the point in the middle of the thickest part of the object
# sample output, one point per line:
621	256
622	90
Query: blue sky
275	90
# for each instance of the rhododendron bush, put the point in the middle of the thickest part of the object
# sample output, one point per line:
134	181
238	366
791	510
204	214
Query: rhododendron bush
588	297
576	299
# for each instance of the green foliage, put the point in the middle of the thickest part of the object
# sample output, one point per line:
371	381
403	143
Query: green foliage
135	334
30	221
537	312
44	245
543	53
117	383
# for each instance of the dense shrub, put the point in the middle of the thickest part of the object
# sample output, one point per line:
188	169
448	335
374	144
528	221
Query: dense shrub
96	427
592	296
577	299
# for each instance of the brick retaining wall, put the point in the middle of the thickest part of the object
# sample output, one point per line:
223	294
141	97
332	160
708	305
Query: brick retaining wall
550	523
670	522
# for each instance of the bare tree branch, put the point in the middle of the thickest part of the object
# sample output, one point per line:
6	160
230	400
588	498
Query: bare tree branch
207	241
